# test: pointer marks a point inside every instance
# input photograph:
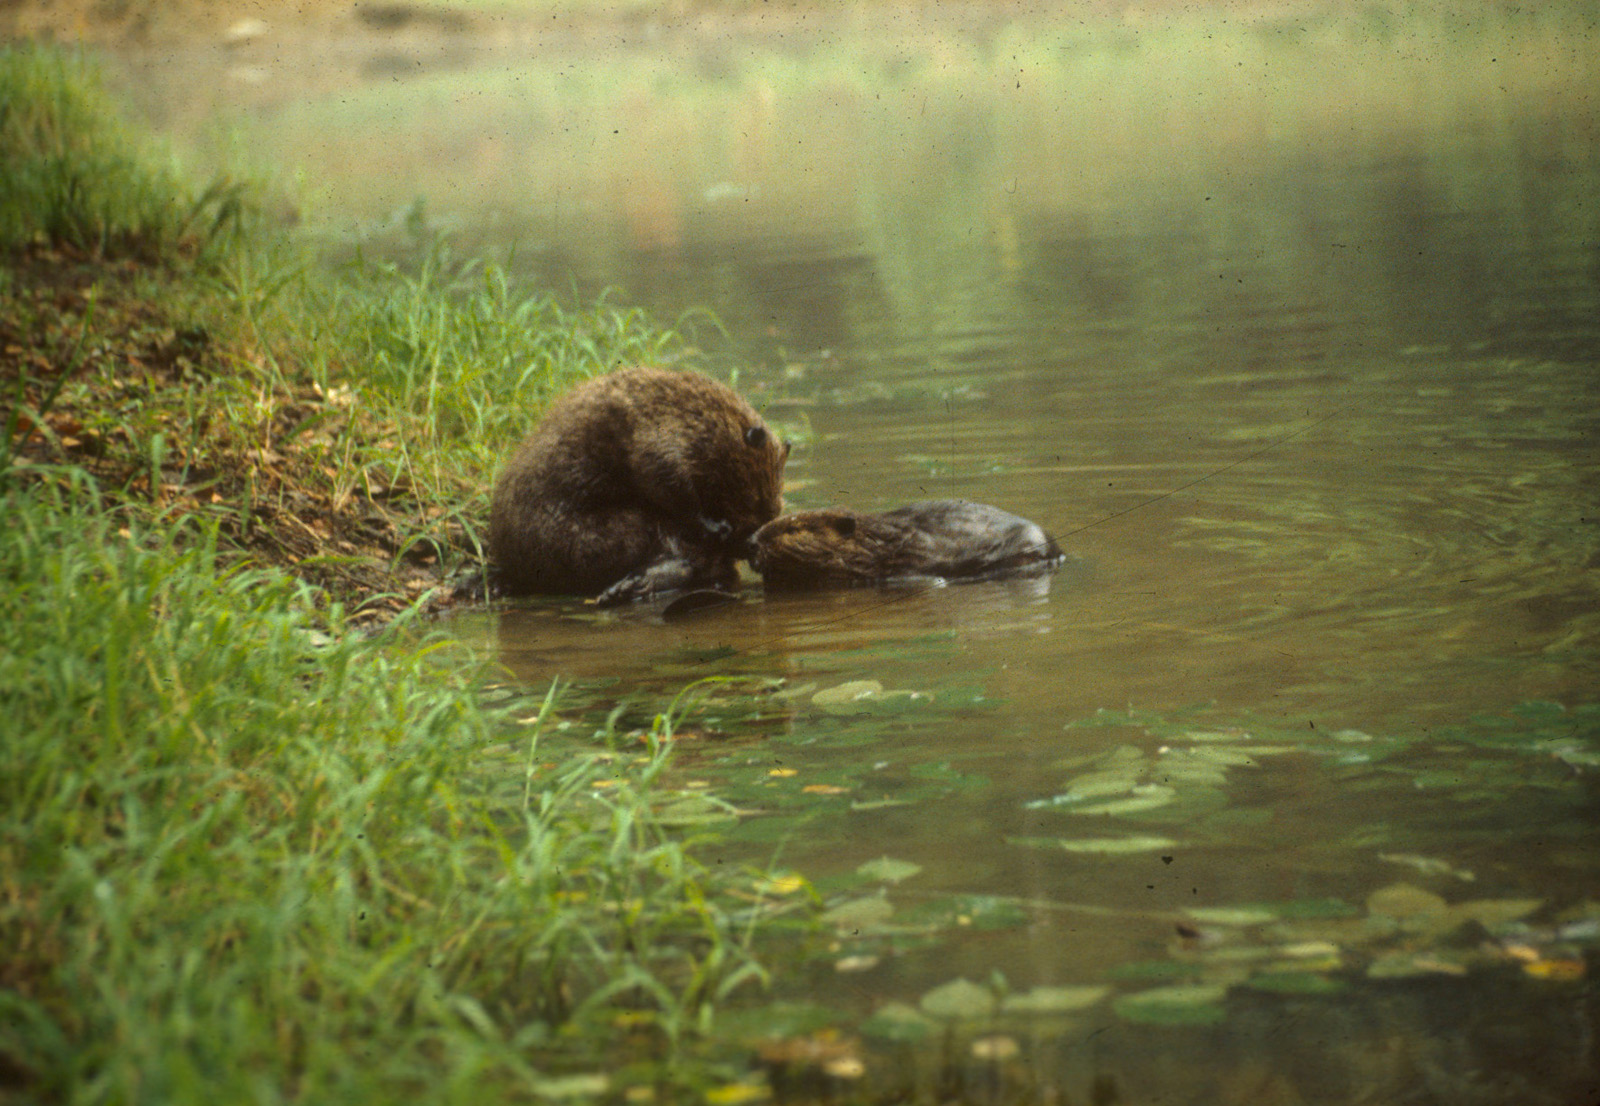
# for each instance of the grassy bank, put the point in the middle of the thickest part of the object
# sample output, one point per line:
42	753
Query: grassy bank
178	344
247	860
247	854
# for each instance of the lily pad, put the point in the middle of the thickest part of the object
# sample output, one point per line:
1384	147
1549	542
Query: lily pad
1490	913
896	1021
888	870
865	697
847	697
1295	983
1232	915
1403	965
562	1088
1402	900
1186	1004
1427	865
1146	796
958	999
857	914
1229	756
1107	846
1053	1000
1093	785
737	1094
1316	908
694	810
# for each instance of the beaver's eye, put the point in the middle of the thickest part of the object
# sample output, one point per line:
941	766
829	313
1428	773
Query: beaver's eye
845	526
755	437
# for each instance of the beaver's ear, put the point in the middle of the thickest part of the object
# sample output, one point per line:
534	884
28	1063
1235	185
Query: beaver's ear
844	525
755	436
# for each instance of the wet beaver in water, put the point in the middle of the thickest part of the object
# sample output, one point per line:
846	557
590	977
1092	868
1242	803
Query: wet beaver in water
636	482
944	538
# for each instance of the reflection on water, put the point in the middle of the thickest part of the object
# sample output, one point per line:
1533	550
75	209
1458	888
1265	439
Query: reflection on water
1289	332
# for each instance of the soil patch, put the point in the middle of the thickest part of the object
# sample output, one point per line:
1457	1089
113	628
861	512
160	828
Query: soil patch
138	411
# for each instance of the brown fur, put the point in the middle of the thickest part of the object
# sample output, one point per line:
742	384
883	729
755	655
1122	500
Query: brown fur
636	482
945	538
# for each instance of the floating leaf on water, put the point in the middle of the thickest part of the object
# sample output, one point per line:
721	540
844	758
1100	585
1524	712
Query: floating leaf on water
1566	969
845	1067
737	1094
775	1021
1316	908
1426	780
1188	772
995	1049
1321	965
1309	950
694	810
1236	954
824	789
1403	965
1092	785
1352	737
851	697
1155	971
1108	846
1576	755
988	911
1584	929
850	689
1185	1004
864	913
1402	900
896	1021
1295	983
1232	915
861	963
1213	735
977	911
888	870
1229	756
1490	913
1146	796
1427	865
877	804
1540	710
1053	1000
564	1087
960	998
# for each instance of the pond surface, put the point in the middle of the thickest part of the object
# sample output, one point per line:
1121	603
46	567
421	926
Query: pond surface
1283	789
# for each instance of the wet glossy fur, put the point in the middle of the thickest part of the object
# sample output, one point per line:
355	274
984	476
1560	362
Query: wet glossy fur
950	539
636	482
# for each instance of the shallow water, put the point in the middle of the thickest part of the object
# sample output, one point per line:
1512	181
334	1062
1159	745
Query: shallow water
1292	338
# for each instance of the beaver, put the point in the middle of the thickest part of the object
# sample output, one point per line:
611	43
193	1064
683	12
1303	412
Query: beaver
950	539
640	481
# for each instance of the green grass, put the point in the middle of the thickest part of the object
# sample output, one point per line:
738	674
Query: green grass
371	387
248	854
71	176
250	858
455	360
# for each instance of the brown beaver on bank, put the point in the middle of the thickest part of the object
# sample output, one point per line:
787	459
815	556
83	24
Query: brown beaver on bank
636	482
950	539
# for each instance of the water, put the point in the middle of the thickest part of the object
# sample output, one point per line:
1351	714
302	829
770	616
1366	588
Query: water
1290	333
